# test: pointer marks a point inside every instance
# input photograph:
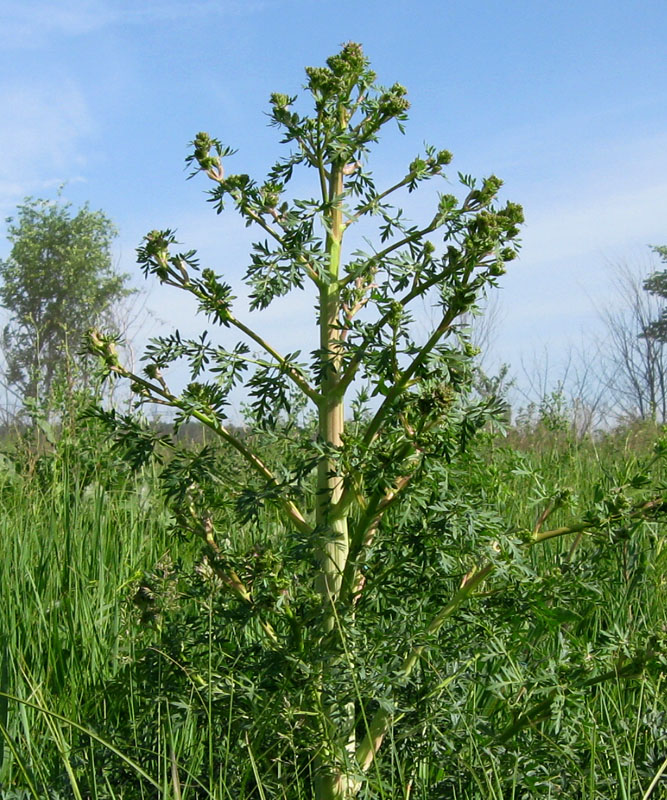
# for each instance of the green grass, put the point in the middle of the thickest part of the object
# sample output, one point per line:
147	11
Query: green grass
103	690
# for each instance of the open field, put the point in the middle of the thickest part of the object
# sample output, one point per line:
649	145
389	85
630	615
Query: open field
129	677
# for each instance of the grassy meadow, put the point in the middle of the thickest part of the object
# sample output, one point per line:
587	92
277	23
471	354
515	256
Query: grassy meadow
124	675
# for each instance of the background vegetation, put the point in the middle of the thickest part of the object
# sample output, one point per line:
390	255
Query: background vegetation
553	687
57	281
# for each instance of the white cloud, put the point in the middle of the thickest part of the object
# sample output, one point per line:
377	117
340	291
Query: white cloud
596	222
31	23
39	137
583	218
170	10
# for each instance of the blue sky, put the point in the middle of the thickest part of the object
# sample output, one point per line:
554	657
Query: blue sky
566	101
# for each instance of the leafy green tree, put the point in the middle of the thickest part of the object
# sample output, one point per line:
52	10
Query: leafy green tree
353	542
657	284
57	281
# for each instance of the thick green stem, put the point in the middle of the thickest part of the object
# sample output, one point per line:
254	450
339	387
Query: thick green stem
339	745
332	527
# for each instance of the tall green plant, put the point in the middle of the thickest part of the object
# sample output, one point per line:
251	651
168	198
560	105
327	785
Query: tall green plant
377	541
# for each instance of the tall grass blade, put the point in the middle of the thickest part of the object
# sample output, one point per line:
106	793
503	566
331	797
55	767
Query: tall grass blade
108	745
4	687
661	771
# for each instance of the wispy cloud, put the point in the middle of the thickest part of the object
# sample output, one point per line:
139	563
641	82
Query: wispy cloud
40	137
618	199
31	23
605	207
170	10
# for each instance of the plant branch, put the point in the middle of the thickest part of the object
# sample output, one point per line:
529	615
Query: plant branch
540	711
231	580
353	364
637	511
399	387
294	374
312	274
259	220
377	257
155	393
324	176
368	206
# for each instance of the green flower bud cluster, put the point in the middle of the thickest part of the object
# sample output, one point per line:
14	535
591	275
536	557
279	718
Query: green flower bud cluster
157	245
490	188
216	297
140	389
103	346
489	228
208	154
269	194
446	204
322	81
418	166
343	71
393	103
350	62
436	399
202	152
424	167
281	104
481	198
483	230
151	371
236	183
196	392
511	216
395	314
154	253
